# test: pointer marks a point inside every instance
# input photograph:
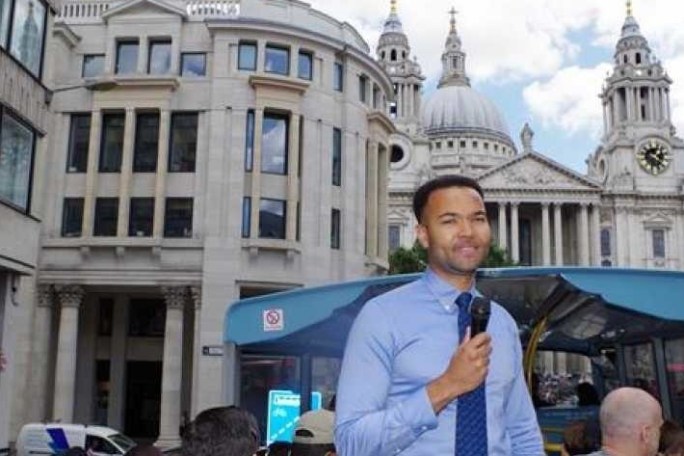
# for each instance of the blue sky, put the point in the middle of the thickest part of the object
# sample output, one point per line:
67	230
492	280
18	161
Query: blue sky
540	61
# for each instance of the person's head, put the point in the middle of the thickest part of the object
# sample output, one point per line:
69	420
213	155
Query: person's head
452	225
144	450
669	432
581	437
279	448
630	421
225	431
75	451
587	395
314	434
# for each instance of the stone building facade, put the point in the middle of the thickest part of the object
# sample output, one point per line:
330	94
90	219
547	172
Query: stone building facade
24	124
202	152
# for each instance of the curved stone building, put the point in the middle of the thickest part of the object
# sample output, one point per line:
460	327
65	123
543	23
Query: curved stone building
202	152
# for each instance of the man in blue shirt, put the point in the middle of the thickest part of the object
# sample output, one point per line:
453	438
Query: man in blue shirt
404	367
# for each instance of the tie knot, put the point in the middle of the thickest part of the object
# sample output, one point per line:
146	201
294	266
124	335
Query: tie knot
463	301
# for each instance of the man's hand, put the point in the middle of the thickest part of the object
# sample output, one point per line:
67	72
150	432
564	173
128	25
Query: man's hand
466	371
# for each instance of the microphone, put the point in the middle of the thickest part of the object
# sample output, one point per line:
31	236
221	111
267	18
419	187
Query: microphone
479	315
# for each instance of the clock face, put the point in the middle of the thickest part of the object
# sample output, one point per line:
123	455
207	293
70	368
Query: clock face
654	157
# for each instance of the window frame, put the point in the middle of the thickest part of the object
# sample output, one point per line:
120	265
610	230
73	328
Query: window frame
310	56
271	47
246	228
283	204
187	233
132	226
152	43
98	228
138	143
103	133
335	229
249	140
338	76
70	151
181	168
247	44
24	208
184	55
83	65
123	42
7	44
64	232
337	157
659	245
278	116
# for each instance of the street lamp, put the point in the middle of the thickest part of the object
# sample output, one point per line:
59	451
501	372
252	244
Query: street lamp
100	85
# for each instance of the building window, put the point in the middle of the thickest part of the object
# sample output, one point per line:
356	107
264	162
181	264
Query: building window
271	218
146	143
246	216
394	237
27	32
105	317
193	64
16	161
178	218
183	147
337	157
126	56
247	54
305	65
338	77
106	216
658	243
335	229
277	60
274	144
474	144
450	144
438	145
605	242
141	217
72	217
146	318
93	65
160	57
79	142
393	109
363	89
462	144
249	141
111	145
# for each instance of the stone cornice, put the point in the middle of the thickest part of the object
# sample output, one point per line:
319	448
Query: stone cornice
278	82
381	118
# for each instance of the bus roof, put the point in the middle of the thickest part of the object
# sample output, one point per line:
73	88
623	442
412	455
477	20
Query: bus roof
585	308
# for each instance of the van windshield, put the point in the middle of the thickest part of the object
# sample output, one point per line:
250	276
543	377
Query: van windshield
122	441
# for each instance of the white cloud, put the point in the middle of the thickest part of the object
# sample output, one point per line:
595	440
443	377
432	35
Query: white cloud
569	99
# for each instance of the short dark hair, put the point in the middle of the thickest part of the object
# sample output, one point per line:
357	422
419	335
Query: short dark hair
316	449
144	450
420	198
225	431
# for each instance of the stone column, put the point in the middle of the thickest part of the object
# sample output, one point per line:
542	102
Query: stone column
595	234
546	235
293	178
503	232
372	200
126	173
169	421
70	298
515	236
117	363
162	170
196	296
583	234
91	172
256	174
558	233
40	353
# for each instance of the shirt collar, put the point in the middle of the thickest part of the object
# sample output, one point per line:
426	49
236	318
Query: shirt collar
443	291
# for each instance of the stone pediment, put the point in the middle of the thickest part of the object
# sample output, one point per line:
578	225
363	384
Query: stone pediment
535	171
144	7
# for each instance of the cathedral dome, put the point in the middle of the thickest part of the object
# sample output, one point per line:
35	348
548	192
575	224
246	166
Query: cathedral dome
460	108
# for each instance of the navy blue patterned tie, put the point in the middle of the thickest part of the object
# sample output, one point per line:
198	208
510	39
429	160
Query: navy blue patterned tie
471	414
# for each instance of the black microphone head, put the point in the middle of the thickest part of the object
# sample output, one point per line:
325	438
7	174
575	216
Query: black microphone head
480	309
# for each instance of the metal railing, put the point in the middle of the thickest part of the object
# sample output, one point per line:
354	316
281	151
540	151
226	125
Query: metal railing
85	11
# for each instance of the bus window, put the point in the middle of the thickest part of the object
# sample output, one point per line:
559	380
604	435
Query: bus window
261	374
325	372
640	368
674	360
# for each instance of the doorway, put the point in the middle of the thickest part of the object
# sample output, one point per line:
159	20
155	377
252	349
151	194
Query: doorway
143	399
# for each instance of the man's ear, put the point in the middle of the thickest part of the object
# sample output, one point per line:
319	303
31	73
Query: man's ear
422	235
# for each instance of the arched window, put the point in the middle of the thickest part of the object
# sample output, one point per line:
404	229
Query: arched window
382	55
638	58
393	55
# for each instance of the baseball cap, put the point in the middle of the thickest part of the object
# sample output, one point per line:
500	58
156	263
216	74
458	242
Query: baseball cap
315	427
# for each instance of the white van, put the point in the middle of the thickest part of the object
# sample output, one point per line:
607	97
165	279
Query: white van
56	438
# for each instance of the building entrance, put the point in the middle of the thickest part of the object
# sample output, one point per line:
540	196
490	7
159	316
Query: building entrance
143	399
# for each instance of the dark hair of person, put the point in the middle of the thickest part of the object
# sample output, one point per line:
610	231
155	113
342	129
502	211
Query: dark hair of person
676	446
144	450
670	432
587	394
224	431
305	449
75	451
582	437
420	198
279	448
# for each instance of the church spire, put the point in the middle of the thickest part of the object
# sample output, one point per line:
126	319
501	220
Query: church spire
453	58
629	8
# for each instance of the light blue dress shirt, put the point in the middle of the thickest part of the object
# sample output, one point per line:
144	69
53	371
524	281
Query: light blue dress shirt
401	341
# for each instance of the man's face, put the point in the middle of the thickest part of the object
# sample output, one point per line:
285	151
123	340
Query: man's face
455	230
